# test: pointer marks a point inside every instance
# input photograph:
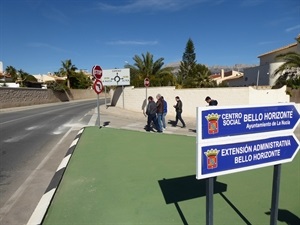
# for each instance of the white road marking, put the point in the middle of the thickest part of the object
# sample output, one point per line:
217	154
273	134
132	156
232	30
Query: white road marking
19	192
16	138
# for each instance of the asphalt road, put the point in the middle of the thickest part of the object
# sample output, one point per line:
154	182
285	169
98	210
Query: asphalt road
33	141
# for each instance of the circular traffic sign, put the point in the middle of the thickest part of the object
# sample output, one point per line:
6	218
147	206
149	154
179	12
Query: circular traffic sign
98	86
147	82
97	72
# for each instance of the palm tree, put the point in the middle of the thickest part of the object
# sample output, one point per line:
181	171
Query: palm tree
67	70
145	66
202	78
292	60
12	72
289	70
24	78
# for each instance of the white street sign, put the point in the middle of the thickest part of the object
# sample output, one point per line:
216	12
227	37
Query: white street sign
116	77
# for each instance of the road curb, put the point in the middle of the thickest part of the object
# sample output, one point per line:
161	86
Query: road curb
44	203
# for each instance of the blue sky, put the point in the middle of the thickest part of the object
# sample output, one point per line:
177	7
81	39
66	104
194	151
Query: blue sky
36	35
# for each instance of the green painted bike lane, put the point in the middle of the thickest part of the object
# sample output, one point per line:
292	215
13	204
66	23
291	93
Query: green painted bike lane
118	177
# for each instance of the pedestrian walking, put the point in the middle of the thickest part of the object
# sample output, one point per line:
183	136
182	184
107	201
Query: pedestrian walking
159	112
151	113
165	111
211	102
178	108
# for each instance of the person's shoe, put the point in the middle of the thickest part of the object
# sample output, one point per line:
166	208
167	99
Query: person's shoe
164	128
183	126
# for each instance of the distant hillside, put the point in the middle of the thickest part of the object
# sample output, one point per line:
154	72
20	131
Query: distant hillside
215	68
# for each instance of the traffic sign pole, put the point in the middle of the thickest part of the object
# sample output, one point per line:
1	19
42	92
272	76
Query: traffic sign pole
123	96
105	96
275	194
209	200
97	86
146	94
146	84
98	108
236	139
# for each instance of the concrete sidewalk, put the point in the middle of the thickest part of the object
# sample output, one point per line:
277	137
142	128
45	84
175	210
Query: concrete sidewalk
116	117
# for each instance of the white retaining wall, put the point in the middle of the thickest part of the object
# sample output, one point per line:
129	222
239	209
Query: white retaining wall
135	98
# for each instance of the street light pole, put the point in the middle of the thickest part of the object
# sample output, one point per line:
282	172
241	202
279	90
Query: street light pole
257	78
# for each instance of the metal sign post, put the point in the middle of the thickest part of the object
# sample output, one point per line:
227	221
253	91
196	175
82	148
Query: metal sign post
97	86
123	96
105	96
235	139
146	84
146	94
98	109
275	194
209	200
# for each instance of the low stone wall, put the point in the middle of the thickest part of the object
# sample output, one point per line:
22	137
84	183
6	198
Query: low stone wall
15	97
135	98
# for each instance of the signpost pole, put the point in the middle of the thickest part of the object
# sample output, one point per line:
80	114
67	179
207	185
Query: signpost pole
146	84
255	126
123	94
275	194
146	94
209	200
98	108
105	96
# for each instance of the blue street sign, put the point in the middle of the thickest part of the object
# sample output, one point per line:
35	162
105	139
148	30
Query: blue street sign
245	155
229	121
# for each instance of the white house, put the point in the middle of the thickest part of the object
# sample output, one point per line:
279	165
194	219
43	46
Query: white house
263	75
226	76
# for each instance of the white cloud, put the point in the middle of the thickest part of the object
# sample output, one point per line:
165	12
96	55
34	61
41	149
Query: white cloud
44	45
297	27
251	3
149	5
56	15
121	42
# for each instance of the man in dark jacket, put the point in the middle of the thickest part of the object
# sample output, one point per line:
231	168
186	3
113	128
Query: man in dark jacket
178	109
151	112
211	102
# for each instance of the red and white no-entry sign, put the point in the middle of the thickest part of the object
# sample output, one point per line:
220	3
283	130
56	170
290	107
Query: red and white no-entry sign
98	86
97	72
147	82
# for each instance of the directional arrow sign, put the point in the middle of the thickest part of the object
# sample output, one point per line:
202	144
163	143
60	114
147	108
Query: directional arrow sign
116	77
229	121
244	155
98	86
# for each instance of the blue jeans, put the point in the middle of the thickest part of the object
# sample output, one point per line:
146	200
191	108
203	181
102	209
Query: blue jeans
151	118
159	121
164	120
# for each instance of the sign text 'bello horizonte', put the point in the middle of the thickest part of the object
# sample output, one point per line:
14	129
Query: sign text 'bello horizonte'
248	120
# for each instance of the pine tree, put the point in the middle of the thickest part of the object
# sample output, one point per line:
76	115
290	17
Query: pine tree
187	65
